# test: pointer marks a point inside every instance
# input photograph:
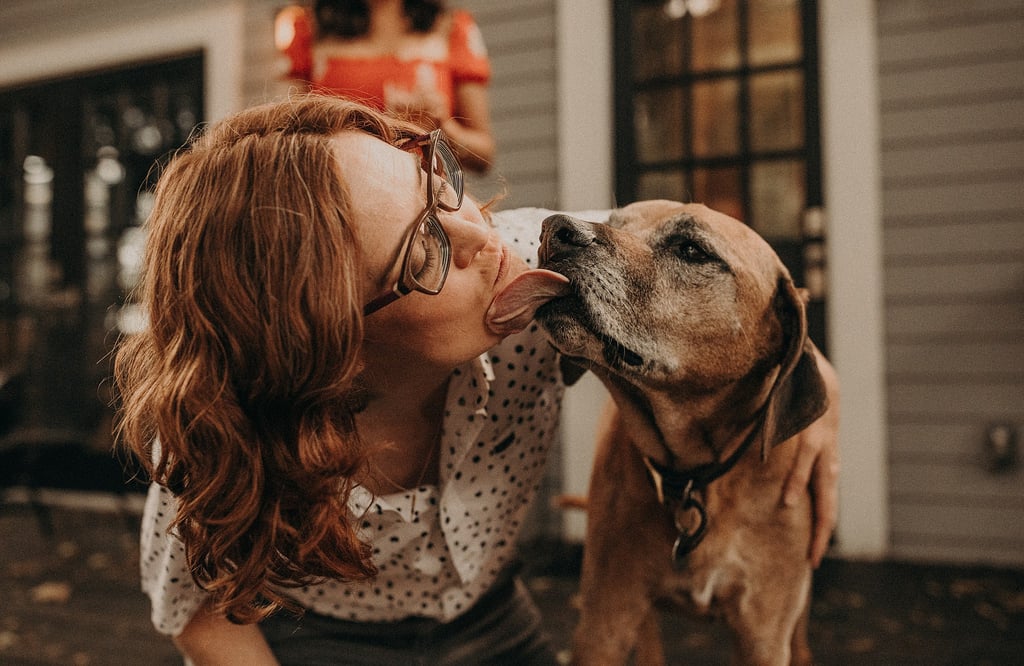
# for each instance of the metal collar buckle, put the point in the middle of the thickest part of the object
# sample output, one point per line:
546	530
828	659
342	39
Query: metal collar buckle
691	534
688	512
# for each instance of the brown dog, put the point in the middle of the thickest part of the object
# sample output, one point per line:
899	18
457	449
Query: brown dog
694	325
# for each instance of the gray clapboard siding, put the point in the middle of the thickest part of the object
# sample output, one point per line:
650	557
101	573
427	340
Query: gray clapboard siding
521	43
972	38
997	195
952	102
955	519
952	83
931	443
971	156
974	320
27	20
981	275
992	119
964	358
944	239
977	400
910	16
957	484
263	81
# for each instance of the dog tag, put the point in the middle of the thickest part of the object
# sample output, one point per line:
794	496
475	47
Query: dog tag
688	538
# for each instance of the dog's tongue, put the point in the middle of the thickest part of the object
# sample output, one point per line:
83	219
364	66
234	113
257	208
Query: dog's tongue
512	309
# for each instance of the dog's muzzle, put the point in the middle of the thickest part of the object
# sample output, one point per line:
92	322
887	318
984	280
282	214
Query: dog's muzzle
564	241
562	237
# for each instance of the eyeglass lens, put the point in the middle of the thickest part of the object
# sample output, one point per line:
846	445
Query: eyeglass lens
429	251
428	254
446	166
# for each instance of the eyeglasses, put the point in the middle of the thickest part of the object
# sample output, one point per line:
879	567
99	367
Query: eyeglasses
427	251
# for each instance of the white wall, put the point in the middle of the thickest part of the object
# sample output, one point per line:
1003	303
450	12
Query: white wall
851	158
586	181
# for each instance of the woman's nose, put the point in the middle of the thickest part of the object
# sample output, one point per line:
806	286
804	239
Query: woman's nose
468	238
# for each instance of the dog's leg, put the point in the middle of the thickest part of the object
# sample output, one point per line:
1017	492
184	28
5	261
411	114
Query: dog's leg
767	625
799	647
619	571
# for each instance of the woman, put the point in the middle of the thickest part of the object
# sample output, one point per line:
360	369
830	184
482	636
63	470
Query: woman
338	427
411	57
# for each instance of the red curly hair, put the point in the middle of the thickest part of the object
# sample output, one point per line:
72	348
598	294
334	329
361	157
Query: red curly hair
238	395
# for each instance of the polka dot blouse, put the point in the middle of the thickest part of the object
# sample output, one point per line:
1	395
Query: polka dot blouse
438	548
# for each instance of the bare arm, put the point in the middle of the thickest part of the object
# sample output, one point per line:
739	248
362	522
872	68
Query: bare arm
817	467
212	640
470	128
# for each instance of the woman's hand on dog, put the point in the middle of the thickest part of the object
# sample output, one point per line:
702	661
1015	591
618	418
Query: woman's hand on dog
817	467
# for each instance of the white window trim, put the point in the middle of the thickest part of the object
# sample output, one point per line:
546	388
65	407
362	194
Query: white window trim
850	130
218	31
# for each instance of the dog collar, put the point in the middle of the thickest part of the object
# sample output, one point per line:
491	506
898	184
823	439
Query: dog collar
679	492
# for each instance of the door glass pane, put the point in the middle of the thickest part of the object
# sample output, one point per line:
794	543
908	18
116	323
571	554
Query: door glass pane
777	198
716	117
777	111
661	185
715	39
719	189
657	43
774	31
658	118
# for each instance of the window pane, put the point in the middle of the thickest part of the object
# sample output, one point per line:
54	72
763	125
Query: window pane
778	198
719	189
715	39
777	111
774	31
661	185
657	43
658	119
716	117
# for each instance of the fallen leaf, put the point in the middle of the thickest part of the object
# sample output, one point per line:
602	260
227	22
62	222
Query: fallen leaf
8	639
51	592
98	561
67	549
861	645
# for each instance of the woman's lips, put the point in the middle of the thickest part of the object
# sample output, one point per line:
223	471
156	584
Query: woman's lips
503	264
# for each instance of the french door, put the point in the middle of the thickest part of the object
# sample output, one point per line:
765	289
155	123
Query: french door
77	158
717	102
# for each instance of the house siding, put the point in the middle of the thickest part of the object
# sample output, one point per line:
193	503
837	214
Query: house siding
952	152
520	38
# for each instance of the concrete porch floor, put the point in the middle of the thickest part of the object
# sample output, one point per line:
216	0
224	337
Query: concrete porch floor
73	598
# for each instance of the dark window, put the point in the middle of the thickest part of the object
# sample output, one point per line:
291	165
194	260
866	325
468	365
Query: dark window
77	158
717	102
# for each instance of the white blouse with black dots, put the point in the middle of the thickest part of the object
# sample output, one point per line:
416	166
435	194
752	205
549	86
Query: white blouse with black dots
439	554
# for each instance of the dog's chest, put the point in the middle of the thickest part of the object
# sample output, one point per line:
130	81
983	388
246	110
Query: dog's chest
705	581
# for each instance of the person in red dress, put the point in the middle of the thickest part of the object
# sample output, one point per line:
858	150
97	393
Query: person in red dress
415	58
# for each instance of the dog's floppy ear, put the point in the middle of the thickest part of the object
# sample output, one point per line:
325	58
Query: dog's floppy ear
798	397
571	370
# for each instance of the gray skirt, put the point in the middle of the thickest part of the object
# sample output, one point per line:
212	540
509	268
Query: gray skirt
503	627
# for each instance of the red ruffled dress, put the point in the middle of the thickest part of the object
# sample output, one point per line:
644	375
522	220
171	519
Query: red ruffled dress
383	80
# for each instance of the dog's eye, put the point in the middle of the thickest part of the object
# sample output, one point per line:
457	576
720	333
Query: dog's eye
690	251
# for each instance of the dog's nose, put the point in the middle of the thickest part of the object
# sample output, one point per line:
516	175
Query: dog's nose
562	235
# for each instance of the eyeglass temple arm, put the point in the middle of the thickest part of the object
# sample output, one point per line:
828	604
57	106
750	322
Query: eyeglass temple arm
385	299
